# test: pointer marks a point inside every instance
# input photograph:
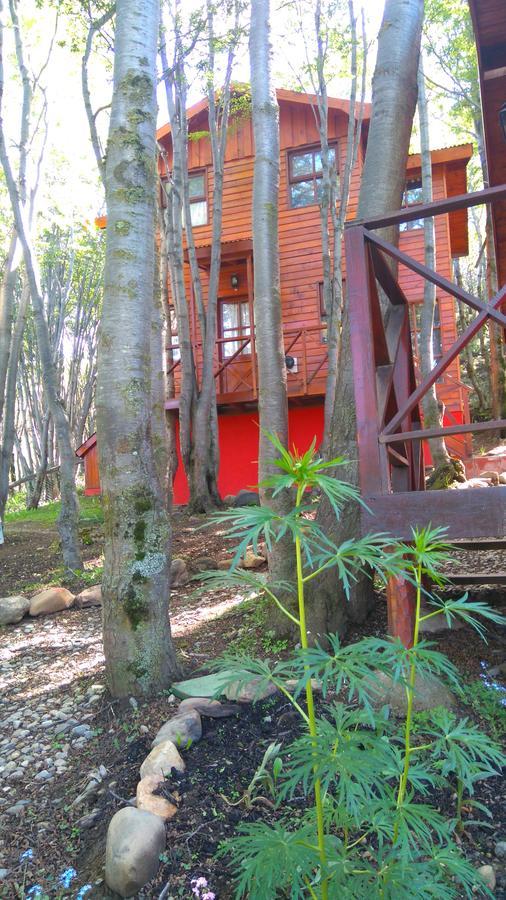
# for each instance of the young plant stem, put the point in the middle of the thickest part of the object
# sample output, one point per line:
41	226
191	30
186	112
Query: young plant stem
460	797
410	693
310	707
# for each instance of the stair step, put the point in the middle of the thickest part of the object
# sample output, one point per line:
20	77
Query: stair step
478	578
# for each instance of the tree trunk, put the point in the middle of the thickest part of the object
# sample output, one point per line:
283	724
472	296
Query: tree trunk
393	106
131	429
9	425
69	514
433	413
272	391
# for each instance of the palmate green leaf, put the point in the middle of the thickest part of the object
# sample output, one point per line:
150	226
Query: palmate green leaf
241	578
348	759
420	776
248	525
470	611
460	748
429	550
419	825
271	861
373	553
450	863
351	668
428	662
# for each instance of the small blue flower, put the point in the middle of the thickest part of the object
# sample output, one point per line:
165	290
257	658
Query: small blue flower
84	890
26	855
35	891
67	877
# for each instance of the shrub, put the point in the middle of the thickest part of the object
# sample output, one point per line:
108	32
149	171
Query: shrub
370	829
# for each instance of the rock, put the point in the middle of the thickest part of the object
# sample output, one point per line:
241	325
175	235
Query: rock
146	799
488	875
429	693
12	609
224	564
178	573
477	483
4	874
162	759
502	478
91	596
204	564
249	693
490	476
246	498
500	849
183	729
252	561
135	839
50	601
211	708
229	499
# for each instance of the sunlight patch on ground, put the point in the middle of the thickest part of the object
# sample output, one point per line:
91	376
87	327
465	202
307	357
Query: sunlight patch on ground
187	620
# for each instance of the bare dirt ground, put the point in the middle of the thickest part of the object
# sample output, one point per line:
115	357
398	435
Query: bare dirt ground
62	736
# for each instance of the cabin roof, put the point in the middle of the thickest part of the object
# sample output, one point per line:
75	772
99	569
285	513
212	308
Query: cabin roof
489	23
283	96
87	446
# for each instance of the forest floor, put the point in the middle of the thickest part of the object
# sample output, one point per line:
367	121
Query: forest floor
68	738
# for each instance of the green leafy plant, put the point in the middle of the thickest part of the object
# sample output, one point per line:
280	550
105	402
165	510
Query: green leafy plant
266	777
369	829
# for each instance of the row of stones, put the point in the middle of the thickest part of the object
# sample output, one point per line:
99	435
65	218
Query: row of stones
51	600
136	834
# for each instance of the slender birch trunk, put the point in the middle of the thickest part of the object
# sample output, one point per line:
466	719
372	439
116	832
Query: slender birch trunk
69	514
272	386
394	98
433	415
131	430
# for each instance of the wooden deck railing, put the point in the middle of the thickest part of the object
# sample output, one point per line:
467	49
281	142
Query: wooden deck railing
388	397
237	377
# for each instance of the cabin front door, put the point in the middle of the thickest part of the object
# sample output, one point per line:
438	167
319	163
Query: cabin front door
235	352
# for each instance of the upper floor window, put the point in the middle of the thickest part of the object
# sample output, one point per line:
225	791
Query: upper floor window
234	322
198	197
305	172
412	197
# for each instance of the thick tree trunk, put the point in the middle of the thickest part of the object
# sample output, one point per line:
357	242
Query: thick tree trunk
272	391
433	416
383	179
132	435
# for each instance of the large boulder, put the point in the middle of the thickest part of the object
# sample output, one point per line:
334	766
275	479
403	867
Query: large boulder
12	609
162	759
147	799
183	729
135	839
429	693
51	600
91	596
250	692
204	564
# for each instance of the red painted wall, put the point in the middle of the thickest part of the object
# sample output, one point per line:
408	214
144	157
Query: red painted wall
238	436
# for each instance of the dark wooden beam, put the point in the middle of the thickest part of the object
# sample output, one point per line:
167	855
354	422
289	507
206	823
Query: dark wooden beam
468	514
493	425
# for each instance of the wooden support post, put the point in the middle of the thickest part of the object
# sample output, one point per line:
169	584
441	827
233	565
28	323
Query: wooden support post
401	605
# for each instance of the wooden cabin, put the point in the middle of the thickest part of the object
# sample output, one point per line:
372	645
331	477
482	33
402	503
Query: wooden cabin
304	315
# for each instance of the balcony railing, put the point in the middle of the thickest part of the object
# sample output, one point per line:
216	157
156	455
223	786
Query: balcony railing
236	371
